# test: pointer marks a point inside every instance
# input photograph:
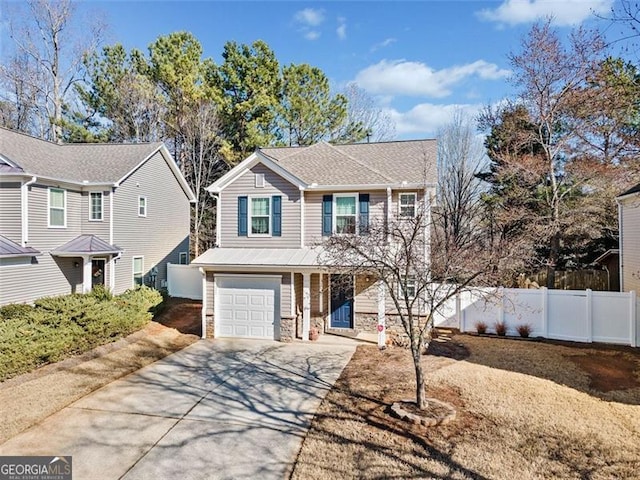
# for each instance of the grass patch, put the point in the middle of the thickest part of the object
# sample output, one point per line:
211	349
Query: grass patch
525	410
57	327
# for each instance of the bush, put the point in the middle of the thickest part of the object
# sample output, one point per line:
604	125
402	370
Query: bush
501	328
57	327
481	327
524	330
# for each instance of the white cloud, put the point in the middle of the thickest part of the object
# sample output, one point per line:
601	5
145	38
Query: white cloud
385	43
401	77
341	31
425	119
312	35
309	17
564	13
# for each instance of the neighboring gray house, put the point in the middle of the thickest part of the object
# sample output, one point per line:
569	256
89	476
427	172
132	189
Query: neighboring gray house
629	234
76	215
263	278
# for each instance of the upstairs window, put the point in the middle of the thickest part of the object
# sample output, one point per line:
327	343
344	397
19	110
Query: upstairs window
345	214
57	208
260	215
183	258
407	205
95	206
142	206
407	285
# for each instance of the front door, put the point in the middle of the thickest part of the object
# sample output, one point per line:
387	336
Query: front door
341	301
97	271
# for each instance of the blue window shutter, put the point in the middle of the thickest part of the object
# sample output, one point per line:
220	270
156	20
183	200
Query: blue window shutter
276	218
364	213
242	216
327	205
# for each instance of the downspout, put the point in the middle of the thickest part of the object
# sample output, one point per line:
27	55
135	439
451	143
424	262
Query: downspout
302	217
24	196
621	252
389	202
112	262
216	198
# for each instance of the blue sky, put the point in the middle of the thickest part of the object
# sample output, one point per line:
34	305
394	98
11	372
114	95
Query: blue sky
421	60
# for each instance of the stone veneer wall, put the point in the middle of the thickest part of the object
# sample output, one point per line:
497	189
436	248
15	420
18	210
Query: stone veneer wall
368	322
287	329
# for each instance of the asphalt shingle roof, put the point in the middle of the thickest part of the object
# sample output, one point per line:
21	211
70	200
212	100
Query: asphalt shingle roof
413	161
635	189
90	162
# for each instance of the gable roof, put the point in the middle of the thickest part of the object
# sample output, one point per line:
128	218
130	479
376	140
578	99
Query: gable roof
411	161
407	162
631	191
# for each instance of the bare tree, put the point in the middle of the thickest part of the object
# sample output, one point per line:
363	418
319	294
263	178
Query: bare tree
201	163
45	36
461	156
418	272
363	111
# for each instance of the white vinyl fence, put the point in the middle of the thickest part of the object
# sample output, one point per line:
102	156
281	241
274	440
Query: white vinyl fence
184	281
576	315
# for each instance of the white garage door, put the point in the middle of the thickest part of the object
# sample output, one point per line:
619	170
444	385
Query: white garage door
246	307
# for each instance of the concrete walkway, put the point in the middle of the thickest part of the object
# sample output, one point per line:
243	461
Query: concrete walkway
217	409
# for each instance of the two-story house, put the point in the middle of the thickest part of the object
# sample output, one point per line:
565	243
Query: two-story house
76	215
629	228
273	211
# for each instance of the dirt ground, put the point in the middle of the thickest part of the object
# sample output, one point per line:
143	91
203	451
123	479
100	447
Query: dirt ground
30	398
526	410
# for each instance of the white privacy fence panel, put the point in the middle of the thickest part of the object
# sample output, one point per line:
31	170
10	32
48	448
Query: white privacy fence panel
184	281
576	315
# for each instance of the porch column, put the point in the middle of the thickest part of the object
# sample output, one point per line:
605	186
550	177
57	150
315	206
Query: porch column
382	329
306	305
112	273
86	274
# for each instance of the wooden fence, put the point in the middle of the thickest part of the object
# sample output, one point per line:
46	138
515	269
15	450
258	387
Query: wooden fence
575	280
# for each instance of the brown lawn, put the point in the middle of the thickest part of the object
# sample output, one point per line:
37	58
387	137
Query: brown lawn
526	410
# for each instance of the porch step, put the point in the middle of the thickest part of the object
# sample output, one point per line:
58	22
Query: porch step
342	332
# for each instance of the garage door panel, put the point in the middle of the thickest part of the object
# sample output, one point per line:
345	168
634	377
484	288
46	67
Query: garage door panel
247	306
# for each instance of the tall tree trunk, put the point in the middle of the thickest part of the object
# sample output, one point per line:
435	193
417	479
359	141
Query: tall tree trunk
552	262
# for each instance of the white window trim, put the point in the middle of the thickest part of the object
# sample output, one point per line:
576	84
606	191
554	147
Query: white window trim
259	180
186	258
415	204
49	189
405	281
250	214
133	271
334	209
146	205
101	207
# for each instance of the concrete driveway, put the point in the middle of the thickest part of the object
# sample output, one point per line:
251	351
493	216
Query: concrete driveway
217	409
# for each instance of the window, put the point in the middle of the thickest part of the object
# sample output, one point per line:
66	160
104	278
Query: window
259	180
138	271
95	206
259	213
183	258
57	208
407	205
345	208
142	206
409	284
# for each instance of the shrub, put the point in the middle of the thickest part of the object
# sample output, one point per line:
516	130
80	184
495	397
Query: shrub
15	310
524	330
101	293
481	327
501	328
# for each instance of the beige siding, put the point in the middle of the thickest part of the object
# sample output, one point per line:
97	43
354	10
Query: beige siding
95	227
11	211
285	295
366	300
162	234
274	185
630	236
313	212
